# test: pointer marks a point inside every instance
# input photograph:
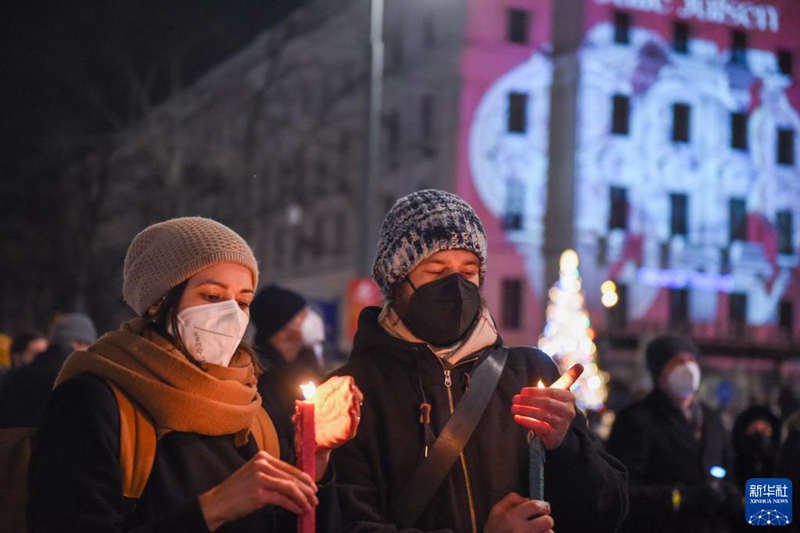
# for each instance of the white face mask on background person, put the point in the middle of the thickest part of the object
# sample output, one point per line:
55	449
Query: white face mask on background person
313	332
684	379
212	332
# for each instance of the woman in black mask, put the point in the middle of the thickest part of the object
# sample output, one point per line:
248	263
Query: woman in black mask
756	437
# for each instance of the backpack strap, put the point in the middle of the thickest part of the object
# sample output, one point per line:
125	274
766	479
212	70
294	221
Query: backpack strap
137	444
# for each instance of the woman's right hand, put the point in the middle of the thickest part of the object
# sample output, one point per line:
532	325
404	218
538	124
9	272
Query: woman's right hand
263	480
516	514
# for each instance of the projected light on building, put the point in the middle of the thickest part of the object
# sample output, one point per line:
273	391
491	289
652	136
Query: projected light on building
686	173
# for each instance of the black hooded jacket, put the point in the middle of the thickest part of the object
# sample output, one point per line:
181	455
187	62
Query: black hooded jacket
657	444
586	487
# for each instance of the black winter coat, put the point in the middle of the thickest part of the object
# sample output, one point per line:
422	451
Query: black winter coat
26	389
657	444
75	482
586	487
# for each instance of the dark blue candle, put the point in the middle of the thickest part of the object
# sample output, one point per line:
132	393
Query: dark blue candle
536	466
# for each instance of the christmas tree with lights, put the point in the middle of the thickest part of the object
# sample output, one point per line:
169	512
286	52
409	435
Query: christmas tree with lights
568	335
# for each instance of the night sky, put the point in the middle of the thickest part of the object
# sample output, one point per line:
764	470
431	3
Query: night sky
69	65
69	70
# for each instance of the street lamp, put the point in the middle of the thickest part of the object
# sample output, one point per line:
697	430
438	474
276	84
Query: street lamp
369	182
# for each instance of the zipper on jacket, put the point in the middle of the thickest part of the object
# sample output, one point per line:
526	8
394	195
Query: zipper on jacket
448	382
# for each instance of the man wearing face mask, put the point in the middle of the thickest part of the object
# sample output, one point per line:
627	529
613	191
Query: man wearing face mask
289	340
670	441
421	361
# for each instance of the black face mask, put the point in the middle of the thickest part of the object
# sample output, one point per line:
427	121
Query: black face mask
442	311
759	444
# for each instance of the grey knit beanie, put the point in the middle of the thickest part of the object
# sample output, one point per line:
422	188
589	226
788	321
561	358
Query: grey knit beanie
420	225
74	327
168	253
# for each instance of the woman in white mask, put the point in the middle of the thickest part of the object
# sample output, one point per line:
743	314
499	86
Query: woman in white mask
161	422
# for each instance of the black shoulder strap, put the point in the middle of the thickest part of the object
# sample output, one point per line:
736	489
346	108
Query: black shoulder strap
429	475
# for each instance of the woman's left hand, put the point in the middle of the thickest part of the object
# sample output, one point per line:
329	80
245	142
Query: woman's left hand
337	412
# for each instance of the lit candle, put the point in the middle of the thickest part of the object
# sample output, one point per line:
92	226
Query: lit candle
306	446
536	462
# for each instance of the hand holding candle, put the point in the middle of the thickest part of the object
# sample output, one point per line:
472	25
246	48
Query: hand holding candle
548	411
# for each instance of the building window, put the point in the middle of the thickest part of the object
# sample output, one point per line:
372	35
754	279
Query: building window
680	34
678	308
679	216
620	114
519	21
622	27
618	218
515	205
512	303
738	47
680	123
737	312
738	219
785	146
739	131
786	317
517	112
340	233
617	315
426	122
785	62
785	241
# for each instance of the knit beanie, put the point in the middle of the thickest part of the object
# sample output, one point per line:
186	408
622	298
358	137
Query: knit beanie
168	253
420	225
663	348
74	327
273	308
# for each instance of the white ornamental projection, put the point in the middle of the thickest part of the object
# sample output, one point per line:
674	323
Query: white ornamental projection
568	335
510	169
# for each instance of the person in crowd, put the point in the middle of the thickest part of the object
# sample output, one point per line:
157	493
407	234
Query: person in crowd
289	339
673	446
182	365
27	388
26	346
425	352
788	464
756	437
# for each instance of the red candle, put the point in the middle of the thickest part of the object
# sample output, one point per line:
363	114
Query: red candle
306	444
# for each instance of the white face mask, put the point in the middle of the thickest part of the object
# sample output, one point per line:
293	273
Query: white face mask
684	379
212	332
313	332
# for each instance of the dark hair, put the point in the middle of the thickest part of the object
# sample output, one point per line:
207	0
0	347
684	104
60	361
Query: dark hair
165	319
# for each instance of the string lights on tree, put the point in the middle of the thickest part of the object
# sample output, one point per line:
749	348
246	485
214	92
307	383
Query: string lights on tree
568	336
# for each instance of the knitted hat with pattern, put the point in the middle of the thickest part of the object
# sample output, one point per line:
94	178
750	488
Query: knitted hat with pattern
168	253
420	225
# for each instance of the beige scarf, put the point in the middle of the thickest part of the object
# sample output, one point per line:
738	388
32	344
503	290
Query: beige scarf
483	334
177	394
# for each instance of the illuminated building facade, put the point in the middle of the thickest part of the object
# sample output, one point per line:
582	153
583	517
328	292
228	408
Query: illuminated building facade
659	138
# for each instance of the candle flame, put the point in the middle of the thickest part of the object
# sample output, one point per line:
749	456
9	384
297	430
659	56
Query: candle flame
540	384
309	390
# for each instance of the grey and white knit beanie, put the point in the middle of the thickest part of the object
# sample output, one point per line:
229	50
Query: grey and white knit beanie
420	225
168	253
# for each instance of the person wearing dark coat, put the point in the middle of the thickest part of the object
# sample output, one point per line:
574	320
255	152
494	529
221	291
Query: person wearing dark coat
756	437
669	441
287	334
788	465
217	460
415	359
26	389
